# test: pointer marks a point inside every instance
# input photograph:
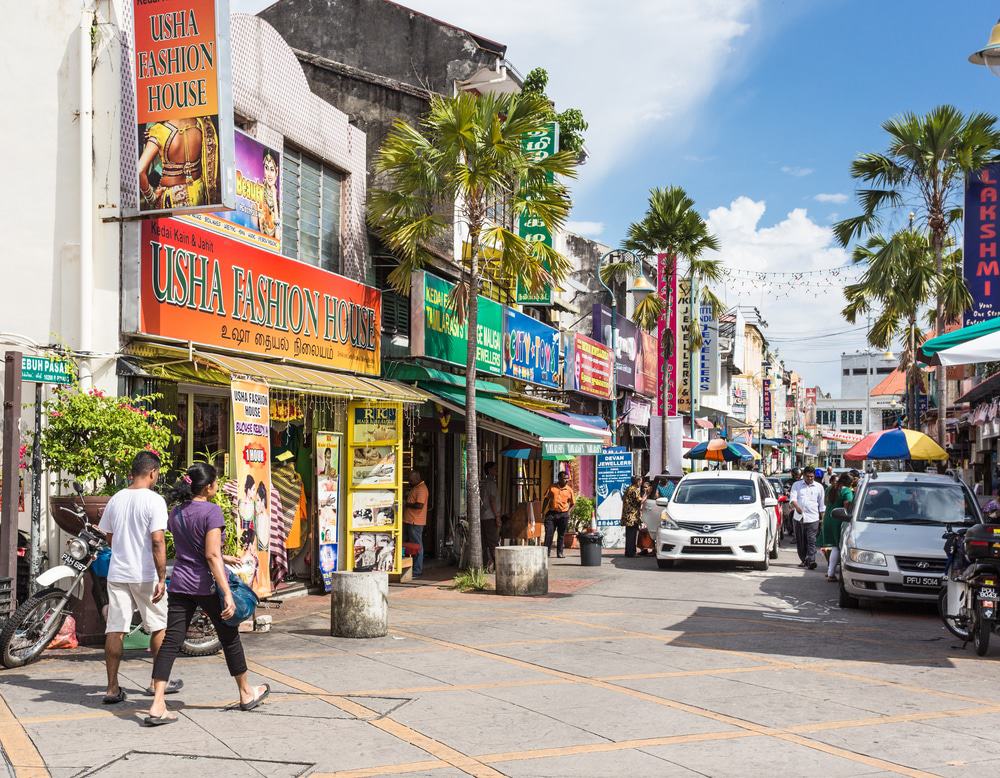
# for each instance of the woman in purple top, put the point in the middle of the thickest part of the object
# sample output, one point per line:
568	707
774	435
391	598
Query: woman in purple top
199	573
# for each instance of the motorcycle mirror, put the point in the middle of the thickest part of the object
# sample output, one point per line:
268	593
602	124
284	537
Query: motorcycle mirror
78	488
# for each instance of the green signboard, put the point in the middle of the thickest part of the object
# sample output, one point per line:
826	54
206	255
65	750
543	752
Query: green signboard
537	145
46	370
437	332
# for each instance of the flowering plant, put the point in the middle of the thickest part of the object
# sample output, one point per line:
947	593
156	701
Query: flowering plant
92	437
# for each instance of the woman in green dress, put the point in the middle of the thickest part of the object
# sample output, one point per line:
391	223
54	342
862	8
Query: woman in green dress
839	495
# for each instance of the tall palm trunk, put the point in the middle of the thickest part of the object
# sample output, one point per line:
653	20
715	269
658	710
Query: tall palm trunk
475	555
938	225
912	376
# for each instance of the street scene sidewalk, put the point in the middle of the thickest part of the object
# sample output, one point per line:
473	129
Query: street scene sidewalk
622	669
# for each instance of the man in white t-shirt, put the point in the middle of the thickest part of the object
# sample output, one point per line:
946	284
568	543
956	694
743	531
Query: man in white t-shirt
134	522
808	498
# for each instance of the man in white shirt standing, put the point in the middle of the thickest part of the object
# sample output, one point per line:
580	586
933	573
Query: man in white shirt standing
134	522
808	498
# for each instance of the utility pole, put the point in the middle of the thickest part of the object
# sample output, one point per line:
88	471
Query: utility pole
11	476
868	381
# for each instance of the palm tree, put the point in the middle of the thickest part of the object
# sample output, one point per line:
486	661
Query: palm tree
672	225
924	167
466	159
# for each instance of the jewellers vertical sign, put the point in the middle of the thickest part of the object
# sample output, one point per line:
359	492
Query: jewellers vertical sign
981	259
178	145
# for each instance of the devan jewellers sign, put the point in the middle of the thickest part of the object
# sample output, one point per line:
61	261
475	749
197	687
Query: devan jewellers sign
210	290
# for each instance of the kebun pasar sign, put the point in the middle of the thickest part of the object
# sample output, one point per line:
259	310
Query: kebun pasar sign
200	287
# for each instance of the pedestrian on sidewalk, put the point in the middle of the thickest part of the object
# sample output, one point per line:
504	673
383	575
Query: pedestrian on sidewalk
415	517
133	523
199	575
809	500
489	515
631	519
840	495
556	507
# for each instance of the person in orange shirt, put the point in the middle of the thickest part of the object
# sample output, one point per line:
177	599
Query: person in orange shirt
415	517
556	507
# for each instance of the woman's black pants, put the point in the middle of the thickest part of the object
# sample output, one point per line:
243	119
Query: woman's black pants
180	611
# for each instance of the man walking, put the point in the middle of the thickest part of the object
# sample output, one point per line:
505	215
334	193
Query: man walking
134	522
555	508
415	518
808	498
489	514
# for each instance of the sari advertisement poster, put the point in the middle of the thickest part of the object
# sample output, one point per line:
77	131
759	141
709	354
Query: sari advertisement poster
212	290
328	503
180	62
256	220
252	439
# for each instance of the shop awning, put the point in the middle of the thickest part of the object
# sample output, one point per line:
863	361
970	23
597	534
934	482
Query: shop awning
404	371
552	437
582	423
966	345
181	365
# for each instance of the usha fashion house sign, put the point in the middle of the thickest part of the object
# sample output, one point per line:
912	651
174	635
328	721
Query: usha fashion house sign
199	287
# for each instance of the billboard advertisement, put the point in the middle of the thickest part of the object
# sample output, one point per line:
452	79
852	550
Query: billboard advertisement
614	474
183	107
200	287
252	447
437	331
328	503
256	220
530	349
645	367
588	366
981	261
626	344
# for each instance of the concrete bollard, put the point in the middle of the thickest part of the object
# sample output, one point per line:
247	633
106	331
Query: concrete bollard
522	570
359	605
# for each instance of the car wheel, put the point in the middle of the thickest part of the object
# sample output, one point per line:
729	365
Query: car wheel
764	564
845	600
665	564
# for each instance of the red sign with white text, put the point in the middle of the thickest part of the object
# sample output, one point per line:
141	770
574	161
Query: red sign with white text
591	367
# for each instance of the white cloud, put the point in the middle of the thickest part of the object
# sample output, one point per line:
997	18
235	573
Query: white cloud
795	170
836	197
587	229
790	307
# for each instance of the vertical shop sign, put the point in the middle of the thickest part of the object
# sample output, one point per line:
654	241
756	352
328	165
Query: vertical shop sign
666	367
183	136
588	366
530	349
256	219
328	466
537	145
766	402
614	474
645	366
252	437
684	324
437	331
375	482
981	260
708	368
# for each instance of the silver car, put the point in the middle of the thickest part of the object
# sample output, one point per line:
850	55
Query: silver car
892	547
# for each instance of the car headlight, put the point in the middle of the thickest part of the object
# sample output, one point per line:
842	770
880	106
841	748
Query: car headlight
666	522
750	522
77	549
862	557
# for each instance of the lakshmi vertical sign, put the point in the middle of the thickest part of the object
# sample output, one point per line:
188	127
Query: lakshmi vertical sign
981	259
252	446
183	134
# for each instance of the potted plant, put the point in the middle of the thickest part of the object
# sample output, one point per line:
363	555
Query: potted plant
90	438
579	520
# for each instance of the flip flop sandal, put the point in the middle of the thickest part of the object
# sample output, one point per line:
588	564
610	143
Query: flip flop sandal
172	688
114	699
257	700
157	721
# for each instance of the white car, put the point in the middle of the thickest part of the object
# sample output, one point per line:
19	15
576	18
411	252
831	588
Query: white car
719	514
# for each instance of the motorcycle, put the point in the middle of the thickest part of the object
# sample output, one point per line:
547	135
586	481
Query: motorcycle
968	601
27	633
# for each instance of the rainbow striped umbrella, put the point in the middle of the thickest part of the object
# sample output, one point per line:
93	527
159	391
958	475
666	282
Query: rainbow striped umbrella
721	450
897	443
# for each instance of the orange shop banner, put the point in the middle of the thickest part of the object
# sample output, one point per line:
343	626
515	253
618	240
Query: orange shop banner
210	290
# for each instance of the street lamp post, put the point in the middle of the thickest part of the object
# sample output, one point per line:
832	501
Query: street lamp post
640	287
989	55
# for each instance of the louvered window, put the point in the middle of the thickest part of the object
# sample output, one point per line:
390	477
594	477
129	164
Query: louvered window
310	200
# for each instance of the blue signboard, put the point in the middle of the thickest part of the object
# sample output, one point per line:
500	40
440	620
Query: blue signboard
530	349
981	260
614	474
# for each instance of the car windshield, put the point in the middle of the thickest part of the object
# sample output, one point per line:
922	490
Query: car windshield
916	503
714	492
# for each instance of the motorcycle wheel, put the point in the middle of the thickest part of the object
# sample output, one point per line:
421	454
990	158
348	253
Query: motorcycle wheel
952	624
202	639
981	630
32	627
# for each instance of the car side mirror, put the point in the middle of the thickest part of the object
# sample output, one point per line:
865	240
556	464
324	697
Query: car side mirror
663	502
770	502
840	514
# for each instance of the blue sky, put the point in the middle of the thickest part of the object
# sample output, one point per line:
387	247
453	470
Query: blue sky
756	107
